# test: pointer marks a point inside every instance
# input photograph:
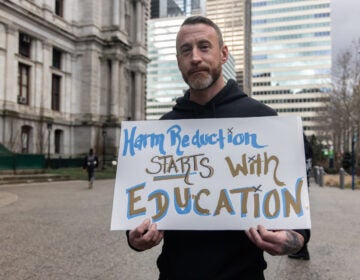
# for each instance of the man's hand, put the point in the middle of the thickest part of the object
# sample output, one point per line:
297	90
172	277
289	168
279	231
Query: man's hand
145	236
282	242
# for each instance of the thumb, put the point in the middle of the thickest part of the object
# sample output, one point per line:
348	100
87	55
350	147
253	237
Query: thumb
143	227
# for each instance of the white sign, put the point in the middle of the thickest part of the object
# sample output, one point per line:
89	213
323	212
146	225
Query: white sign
212	174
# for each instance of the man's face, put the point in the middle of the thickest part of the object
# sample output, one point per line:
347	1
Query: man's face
199	55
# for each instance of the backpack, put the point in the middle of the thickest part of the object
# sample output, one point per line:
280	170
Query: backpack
92	161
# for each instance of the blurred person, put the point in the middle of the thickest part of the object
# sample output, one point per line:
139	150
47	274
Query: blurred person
90	163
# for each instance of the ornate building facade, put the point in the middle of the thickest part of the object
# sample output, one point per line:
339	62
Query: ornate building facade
70	73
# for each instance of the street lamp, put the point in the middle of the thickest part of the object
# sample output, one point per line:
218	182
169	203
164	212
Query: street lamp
353	158
49	127
104	146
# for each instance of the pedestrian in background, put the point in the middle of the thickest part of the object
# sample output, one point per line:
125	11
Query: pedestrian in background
90	163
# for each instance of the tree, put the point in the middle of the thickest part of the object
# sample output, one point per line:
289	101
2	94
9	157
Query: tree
317	150
341	120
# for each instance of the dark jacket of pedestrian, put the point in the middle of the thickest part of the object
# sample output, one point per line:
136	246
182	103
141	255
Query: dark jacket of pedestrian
90	163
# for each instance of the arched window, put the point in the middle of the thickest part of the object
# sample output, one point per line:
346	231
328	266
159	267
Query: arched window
25	139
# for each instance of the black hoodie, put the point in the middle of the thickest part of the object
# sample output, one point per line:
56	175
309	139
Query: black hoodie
213	255
230	102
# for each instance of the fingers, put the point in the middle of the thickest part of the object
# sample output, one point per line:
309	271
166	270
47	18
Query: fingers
253	235
153	236
265	240
145	236
140	230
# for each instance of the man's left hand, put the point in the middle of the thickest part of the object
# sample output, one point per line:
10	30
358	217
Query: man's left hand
280	242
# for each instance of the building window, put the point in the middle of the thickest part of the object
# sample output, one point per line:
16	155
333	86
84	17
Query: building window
25	139
56	59
24	45
23	84
58	141
59	8
55	92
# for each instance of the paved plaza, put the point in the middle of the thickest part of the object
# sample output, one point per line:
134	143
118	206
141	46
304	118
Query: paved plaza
61	231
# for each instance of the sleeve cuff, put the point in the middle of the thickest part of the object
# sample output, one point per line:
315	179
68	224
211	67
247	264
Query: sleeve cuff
127	237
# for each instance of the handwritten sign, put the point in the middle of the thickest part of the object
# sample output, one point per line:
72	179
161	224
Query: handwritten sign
212	174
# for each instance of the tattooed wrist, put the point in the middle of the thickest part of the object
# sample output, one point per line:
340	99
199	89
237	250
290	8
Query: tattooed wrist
293	243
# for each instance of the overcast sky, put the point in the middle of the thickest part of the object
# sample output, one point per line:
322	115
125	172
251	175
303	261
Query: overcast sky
345	23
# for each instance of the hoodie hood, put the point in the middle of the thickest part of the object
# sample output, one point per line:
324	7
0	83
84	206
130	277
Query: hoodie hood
189	109
230	102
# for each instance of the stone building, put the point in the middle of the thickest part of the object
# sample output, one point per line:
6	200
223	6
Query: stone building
70	72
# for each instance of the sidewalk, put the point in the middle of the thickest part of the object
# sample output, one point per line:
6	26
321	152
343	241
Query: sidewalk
60	230
334	246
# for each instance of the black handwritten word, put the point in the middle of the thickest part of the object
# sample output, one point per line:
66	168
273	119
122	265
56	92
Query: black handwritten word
136	142
185	203
180	167
255	165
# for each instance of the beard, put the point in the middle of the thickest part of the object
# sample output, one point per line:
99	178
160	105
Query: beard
204	80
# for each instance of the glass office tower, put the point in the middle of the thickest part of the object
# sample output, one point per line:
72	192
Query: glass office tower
291	56
234	19
164	80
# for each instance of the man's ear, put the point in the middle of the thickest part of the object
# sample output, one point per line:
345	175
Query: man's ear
224	54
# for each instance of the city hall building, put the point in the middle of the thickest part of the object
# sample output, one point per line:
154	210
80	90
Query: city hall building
70	73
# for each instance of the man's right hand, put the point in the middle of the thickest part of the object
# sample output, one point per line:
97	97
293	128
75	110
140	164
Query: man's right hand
145	236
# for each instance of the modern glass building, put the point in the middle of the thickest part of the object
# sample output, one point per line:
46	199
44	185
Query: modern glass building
234	19
164	80
291	56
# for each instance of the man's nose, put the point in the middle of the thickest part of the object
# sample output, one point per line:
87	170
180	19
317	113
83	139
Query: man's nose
195	55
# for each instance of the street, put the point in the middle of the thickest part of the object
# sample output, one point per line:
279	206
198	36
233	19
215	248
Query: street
61	231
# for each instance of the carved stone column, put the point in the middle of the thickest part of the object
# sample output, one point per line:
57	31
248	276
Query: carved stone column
10	79
139	21
122	93
138	96
122	15
115	12
114	87
45	101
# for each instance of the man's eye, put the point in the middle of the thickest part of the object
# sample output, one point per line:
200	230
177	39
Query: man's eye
204	47
185	50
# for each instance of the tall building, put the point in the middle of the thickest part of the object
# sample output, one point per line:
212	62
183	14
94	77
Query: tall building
291	56
234	19
164	80
70	72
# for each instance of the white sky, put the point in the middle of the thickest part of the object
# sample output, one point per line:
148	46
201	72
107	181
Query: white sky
345	24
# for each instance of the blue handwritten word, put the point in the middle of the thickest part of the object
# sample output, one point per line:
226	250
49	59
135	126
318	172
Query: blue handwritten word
141	141
179	140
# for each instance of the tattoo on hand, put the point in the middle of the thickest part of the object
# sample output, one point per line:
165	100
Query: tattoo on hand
292	244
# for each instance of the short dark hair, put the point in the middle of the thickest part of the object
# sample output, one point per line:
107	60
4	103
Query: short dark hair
200	19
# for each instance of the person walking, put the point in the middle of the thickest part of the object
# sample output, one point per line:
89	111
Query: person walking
90	163
222	254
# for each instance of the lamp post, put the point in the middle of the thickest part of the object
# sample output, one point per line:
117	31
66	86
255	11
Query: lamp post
104	146
49	127
354	140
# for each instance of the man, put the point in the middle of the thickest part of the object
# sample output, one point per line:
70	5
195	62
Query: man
212	254
90	163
